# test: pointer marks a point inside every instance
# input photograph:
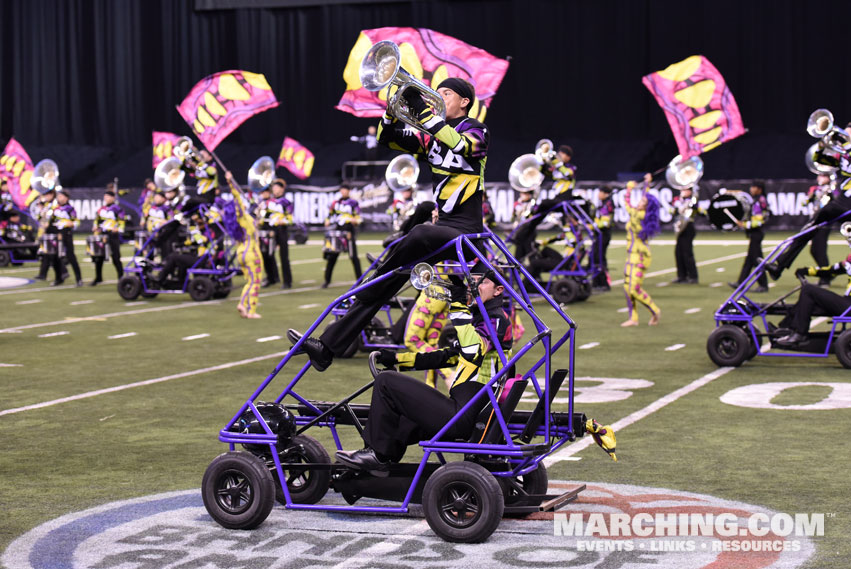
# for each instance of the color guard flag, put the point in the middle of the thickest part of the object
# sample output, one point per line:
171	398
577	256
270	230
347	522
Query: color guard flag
17	169
218	104
164	143
698	104
296	158
429	56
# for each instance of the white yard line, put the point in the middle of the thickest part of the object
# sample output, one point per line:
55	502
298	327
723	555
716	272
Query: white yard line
46	288
195	337
51	334
700	264
89	394
675	347
306	306
117	336
11	365
587	441
269	339
589	345
79	302
716	285
33	301
692	310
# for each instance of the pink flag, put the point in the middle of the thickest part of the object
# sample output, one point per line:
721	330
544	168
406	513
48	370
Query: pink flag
698	104
164	143
223	101
296	158
429	56
17	168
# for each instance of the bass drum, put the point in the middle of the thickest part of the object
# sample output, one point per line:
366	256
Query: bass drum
725	208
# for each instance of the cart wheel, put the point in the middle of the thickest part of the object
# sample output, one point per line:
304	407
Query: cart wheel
129	287
223	289
565	291
536	482
201	288
238	490
842	347
728	345
305	486
5	258
148	294
463	502
753	347
584	290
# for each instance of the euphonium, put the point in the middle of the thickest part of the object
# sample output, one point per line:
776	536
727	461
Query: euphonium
821	125
402	172
169	174
45	176
525	173
184	149
683	174
382	67
261	173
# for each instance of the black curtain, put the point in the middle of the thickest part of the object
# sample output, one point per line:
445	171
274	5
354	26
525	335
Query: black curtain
86	81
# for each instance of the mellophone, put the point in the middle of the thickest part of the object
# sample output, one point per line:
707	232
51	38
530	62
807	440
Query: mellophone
336	241
96	246
51	244
266	239
727	208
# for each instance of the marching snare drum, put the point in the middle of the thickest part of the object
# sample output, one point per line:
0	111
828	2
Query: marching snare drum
139	238
336	241
266	238
50	244
96	246
726	208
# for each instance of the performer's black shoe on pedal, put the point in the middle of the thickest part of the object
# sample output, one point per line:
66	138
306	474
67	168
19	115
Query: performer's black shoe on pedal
773	270
792	340
320	356
364	459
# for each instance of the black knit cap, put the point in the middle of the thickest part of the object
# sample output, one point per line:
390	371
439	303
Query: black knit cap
464	89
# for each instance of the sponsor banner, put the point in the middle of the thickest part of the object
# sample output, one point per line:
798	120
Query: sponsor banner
616	526
786	198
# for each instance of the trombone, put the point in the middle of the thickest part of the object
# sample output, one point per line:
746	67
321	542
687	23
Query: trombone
382	67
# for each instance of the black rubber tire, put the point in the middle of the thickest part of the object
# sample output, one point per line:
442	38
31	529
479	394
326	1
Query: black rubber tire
148	294
536	482
201	288
584	290
728	345
305	486
129	287
565	290
842	347
223	289
463	502
238	490
5	258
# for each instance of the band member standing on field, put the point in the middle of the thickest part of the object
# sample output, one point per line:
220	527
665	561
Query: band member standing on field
63	220
343	215
642	225
457	151
109	222
259	209
685	207
819	195
41	210
279	218
754	230
603	221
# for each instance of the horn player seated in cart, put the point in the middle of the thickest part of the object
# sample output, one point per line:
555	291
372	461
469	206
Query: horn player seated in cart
405	410
816	300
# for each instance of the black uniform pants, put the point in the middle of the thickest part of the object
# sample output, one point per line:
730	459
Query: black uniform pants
353	255
282	237
405	411
834	208
67	237
684	253
547	260
600	252
179	261
419	244
113	241
816	299
818	247
754	253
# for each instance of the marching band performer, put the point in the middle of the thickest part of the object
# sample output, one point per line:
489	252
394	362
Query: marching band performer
344	215
206	175
524	237
642	225
280	217
243	229
603	219
548	258
7	204
754	230
195	245
14	230
819	195
159	214
684	206
259	209
457	151
63	220
563	172
109	224
401	208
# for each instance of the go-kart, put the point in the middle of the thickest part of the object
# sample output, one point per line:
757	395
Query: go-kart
570	280
498	470
746	328
18	247
210	276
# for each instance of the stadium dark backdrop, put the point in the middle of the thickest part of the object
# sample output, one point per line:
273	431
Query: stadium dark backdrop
86	81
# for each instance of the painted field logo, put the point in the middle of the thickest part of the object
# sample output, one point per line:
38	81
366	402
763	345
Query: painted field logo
171	531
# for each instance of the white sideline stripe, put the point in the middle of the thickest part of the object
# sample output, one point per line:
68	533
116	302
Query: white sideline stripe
700	264
716	285
692	310
79	302
51	334
589	345
117	336
95	393
195	337
46	288
720	270
675	347
33	301
306	261
305	306
11	365
585	442
136	303
308	281
663	283
624	309
97	317
269	339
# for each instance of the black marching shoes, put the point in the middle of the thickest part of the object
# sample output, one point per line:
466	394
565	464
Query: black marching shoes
364	459
320	356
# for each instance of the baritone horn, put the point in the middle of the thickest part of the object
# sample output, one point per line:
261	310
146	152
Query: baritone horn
833	139
184	149
424	278
45	176
261	173
382	67
402	173
819	167
525	174
545	150
169	174
682	174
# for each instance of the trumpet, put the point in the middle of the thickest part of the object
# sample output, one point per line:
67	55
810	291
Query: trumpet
424	278
821	125
382	67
